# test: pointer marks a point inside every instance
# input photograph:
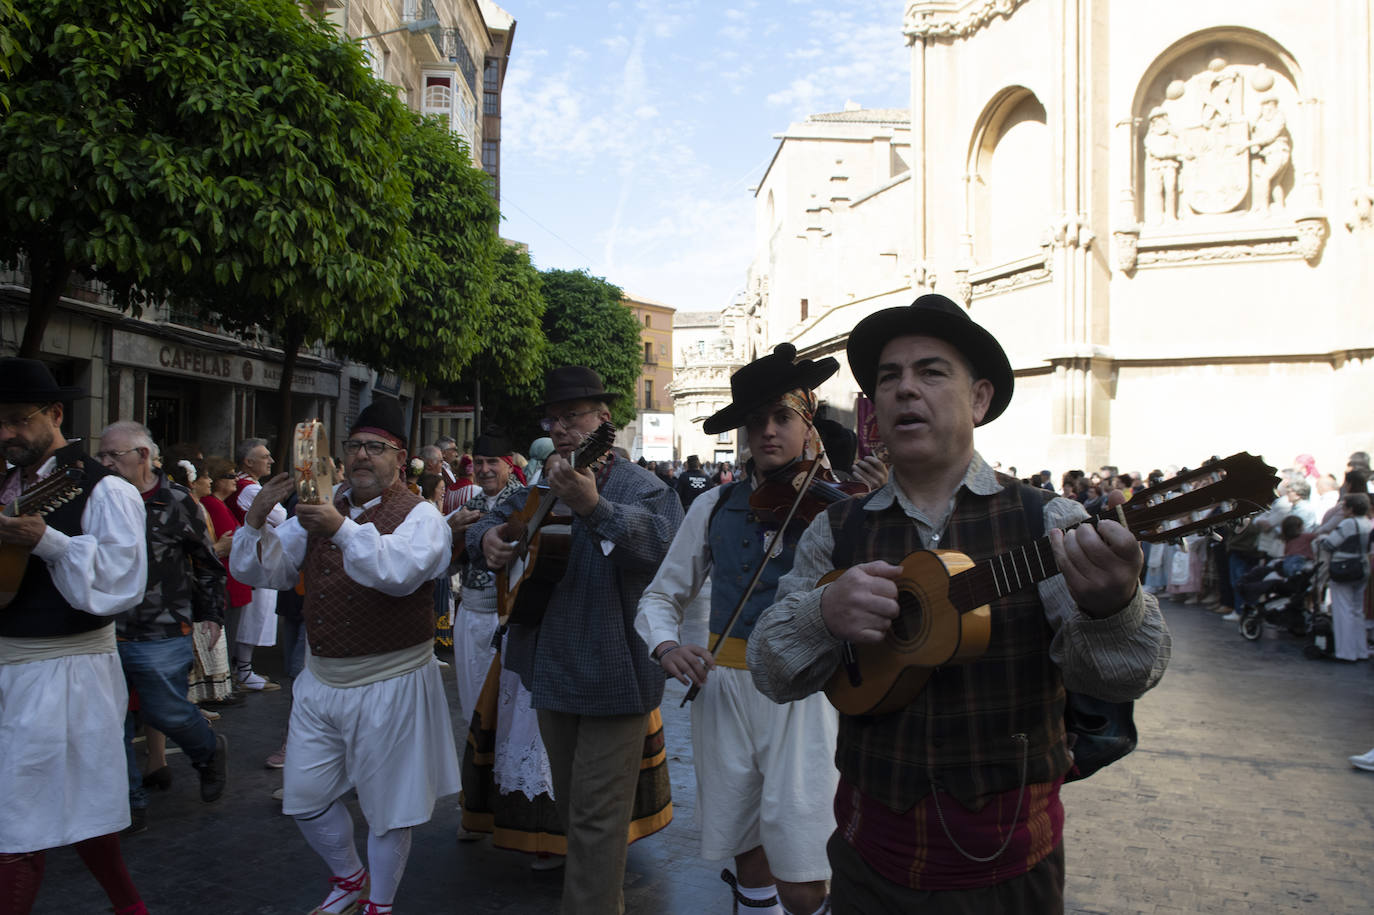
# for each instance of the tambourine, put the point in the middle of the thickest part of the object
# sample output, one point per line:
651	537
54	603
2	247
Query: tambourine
314	468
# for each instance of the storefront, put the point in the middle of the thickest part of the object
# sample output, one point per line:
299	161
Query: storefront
187	392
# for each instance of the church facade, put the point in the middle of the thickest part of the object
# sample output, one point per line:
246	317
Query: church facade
1167	218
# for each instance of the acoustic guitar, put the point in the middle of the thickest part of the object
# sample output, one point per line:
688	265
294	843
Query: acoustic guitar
543	540
58	488
943	595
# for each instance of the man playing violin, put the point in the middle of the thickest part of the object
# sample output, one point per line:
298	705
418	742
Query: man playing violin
589	674
763	787
951	802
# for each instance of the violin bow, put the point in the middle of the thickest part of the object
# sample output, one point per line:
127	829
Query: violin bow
758	573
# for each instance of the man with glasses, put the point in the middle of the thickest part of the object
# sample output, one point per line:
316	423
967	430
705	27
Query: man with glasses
257	619
185	587
369	711
62	693
592	682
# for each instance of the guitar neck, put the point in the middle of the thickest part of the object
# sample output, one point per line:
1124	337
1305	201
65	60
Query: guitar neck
540	514
1002	575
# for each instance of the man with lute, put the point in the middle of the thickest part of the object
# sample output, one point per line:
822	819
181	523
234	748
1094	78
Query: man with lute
589	674
81	559
762	798
951	802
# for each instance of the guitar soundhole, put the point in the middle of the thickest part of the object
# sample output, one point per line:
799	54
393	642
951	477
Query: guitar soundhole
910	619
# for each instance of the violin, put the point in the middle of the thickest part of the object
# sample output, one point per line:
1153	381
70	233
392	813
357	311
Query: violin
802	489
776	495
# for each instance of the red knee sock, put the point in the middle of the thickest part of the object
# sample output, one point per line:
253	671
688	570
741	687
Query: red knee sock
102	858
20	876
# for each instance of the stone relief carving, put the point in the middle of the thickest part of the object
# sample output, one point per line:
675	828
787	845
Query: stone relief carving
926	19
1217	138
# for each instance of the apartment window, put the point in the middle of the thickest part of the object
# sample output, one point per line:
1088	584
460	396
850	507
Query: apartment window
491	75
491	103
648	352
723	438
648	394
805	308
438	99
490	156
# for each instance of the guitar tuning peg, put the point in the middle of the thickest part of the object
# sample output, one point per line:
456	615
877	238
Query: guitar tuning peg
1216	535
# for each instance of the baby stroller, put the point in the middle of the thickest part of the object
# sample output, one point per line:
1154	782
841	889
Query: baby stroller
1276	592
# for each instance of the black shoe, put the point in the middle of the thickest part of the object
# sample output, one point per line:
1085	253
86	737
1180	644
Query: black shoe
161	779
138	822
215	773
234	698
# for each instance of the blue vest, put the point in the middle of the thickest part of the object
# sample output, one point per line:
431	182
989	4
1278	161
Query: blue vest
737	539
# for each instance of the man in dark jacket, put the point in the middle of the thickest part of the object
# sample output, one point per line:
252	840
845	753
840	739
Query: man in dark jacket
692	482
185	587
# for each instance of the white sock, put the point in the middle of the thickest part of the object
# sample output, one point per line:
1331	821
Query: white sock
825	907
761	894
331	835
386	861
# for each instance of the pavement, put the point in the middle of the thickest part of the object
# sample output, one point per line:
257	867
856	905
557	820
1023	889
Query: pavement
1239	799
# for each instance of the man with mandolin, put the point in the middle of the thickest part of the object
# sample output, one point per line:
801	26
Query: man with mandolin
368	712
948	798
761	799
591	680
74	556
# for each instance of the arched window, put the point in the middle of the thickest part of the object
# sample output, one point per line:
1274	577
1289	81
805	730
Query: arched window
1011	191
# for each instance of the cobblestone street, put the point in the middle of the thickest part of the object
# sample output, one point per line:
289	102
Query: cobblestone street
1239	798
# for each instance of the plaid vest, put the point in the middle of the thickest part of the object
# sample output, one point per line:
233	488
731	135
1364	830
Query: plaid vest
958	732
344	619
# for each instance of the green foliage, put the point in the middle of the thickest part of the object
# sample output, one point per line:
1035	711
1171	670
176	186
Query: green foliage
10	51
446	309
515	353
237	157
588	324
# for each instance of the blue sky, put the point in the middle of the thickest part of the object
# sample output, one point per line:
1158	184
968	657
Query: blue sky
632	131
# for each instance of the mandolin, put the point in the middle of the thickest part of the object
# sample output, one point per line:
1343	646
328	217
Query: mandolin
543	540
944	596
58	488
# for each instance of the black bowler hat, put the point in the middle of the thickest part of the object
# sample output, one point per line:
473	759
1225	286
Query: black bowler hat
575	382
765	380
382	415
29	381
936	316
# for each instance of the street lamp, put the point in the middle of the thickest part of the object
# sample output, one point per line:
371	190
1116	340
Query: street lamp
418	25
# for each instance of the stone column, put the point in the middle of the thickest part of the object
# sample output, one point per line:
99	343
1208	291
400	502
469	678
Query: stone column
918	159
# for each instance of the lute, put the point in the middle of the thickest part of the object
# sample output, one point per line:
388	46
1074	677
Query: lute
543	540
60	487
944	596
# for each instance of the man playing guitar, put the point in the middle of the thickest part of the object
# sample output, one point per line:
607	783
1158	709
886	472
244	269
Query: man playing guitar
62	695
951	802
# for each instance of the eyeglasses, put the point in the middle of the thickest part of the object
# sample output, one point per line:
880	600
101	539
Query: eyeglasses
566	420
373	448
102	455
17	424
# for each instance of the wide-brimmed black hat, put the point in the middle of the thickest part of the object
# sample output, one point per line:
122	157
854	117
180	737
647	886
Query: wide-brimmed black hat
936	316
29	381
575	382
765	380
385	414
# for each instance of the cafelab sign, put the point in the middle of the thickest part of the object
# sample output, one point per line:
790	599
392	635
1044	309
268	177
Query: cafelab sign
168	357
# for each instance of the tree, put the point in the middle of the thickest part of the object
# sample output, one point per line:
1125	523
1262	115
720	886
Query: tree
588	324
507	375
441	323
237	157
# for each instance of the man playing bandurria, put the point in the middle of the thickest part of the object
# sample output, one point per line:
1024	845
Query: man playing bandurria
951	802
62	693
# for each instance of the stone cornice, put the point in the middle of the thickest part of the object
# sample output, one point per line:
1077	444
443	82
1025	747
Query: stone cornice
953	18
